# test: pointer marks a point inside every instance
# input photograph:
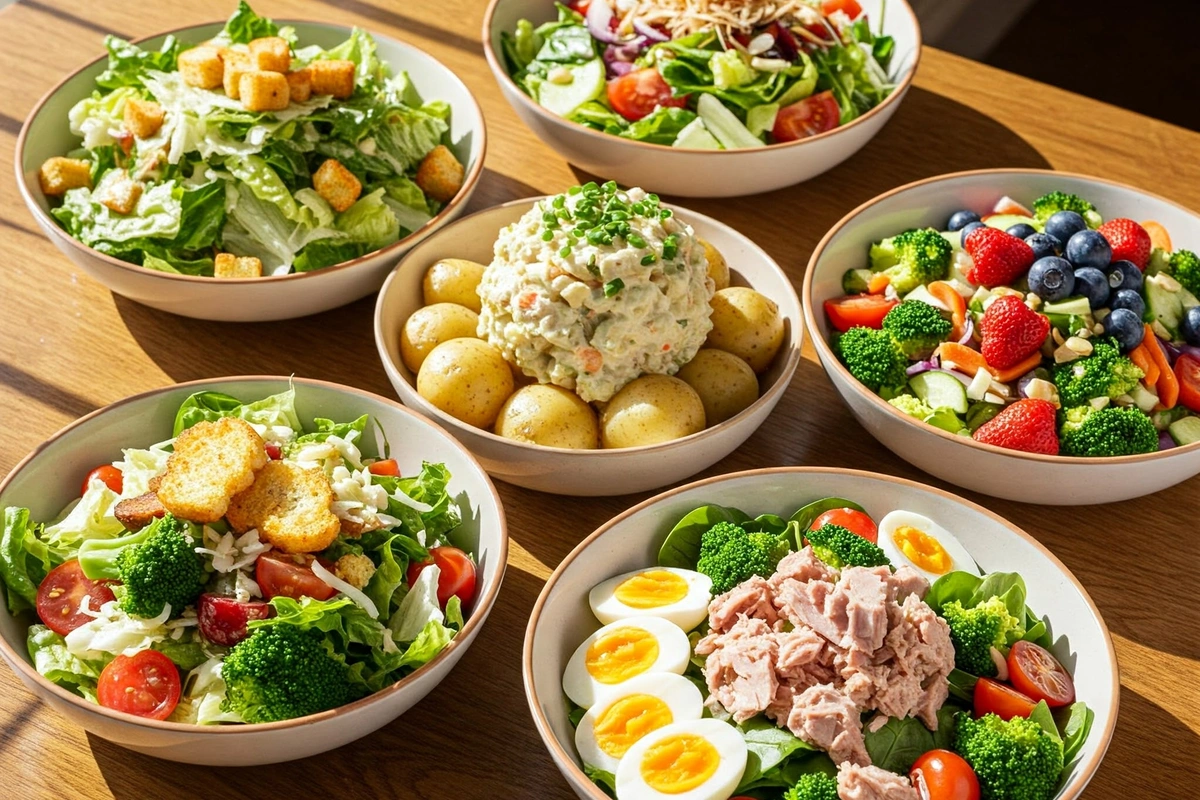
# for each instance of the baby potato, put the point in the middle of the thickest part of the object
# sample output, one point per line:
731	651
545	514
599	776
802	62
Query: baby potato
718	268
725	383
747	324
453	280
549	415
649	410
430	326
466	378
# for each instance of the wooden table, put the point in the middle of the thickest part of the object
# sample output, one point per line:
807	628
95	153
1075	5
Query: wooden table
68	346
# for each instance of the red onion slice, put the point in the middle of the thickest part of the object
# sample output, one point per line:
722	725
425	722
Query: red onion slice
1165	442
968	331
651	33
599	20
919	367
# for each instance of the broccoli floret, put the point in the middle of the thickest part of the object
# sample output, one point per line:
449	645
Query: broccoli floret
913	406
1109	431
917	327
283	672
1185	267
839	547
1014	760
813	786
730	555
873	357
912	258
975	631
1050	204
157	566
1105	373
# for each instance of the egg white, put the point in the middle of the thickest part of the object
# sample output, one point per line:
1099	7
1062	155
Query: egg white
687	613
679	694
961	559
729	744
674	650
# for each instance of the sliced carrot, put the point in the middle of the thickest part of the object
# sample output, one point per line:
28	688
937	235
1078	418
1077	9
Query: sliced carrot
1158	235
968	360
1167	384
1144	361
945	293
1033	361
878	283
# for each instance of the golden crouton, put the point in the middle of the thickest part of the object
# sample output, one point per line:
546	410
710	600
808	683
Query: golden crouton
336	184
201	66
236	63
332	77
299	85
227	265
355	569
440	175
136	513
263	91
143	118
271	53
119	192
59	174
290	507
212	462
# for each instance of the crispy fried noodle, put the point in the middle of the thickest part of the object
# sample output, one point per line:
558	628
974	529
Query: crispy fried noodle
684	17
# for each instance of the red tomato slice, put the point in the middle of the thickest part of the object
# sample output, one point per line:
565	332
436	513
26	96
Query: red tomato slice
993	697
636	94
274	451
223	620
145	684
853	310
1187	372
61	593
810	116
943	775
457	576
278	575
387	466
853	521
1036	673
111	476
850	7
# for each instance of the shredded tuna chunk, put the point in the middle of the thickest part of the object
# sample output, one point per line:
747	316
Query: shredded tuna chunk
825	718
803	566
740	668
750	598
872	783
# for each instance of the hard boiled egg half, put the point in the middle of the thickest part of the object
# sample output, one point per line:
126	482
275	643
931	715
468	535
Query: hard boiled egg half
698	760
677	595
635	708
623	650
916	540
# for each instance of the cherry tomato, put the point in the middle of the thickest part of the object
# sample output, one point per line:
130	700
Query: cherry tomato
111	476
145	684
1006	205
61	593
943	775
810	116
993	697
222	620
858	309
1187	372
387	466
457	575
580	6
274	452
850	7
853	521
636	94
279	575
1035	672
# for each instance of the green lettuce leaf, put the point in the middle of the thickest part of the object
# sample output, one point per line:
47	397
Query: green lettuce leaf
661	126
277	410
94	118
343	620
370	221
91	517
157	215
243	26
55	663
327	252
128	63
24	559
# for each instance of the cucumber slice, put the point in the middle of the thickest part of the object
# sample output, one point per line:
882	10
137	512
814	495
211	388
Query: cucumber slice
587	83
1006	221
940	390
695	135
1164	301
761	119
1072	305
1185	431
724	124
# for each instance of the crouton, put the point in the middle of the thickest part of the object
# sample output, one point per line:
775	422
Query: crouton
290	507
440	175
354	528
212	462
263	91
59	174
355	569
119	192
299	85
270	53
336	184
227	265
136	513
236	63
143	118
201	66
332	77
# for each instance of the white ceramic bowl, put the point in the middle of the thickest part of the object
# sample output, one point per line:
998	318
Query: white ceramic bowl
1011	474
587	472
49	477
561	617
690	172
45	134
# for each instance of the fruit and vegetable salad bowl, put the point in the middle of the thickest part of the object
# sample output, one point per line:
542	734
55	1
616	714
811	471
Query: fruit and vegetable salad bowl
1027	334
245	570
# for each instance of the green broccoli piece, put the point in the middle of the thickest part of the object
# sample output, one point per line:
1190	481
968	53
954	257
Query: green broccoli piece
1050	204
283	672
975	631
913	406
730	555
917	327
1014	760
854	281
1109	431
1105	373
156	566
912	258
813	786
873	357
839	547
1185	267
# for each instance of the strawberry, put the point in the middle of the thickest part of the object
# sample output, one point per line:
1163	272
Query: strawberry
999	258
1011	331
1130	241
1027	425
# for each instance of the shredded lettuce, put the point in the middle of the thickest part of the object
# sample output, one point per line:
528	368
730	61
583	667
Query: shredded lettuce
90	517
57	664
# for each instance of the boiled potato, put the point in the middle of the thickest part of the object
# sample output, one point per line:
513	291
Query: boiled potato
649	410
747	324
718	269
725	383
453	280
466	378
551	416
430	326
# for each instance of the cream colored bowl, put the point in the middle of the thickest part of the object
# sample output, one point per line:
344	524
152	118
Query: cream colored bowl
690	172
587	472
45	134
49	477
561	617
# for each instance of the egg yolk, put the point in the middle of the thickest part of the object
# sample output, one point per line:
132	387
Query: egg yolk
629	719
679	763
620	654
922	550
653	589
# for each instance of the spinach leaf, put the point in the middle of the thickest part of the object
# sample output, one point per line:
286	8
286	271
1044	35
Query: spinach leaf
766	523
962	686
1042	716
943	737
575	714
898	743
953	586
804	516
605	780
681	548
1075	729
768	746
1008	586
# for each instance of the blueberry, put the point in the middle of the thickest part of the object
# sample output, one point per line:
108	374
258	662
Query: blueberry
1088	249
961	219
1126	327
1043	244
1064	224
1124	275
1051	279
1092	284
966	231
1191	326
1022	230
1130	299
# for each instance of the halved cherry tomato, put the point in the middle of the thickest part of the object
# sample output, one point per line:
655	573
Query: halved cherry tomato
274	451
810	116
280	575
854	521
858	309
1187	373
387	466
61	593
223	620
1035	672
1006	205
111	476
580	6
145	684
456	577
636	94
850	7
993	697
943	775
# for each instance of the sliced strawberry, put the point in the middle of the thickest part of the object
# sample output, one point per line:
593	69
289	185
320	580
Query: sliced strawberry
1027	425
1129	240
1011	331
998	258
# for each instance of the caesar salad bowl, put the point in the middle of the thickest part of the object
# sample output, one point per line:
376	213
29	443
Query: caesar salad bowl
46	134
46	479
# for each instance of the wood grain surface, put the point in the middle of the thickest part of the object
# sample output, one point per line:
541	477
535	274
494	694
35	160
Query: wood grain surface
68	346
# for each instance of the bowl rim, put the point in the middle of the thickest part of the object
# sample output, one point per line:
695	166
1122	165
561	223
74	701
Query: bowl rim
470	179
565	761
502	77
830	361
481	608
771	395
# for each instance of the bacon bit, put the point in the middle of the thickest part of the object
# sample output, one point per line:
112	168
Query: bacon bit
527	300
666	347
591	358
125	142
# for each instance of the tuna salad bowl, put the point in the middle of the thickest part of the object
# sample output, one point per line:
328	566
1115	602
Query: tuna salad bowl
818	634
592	342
